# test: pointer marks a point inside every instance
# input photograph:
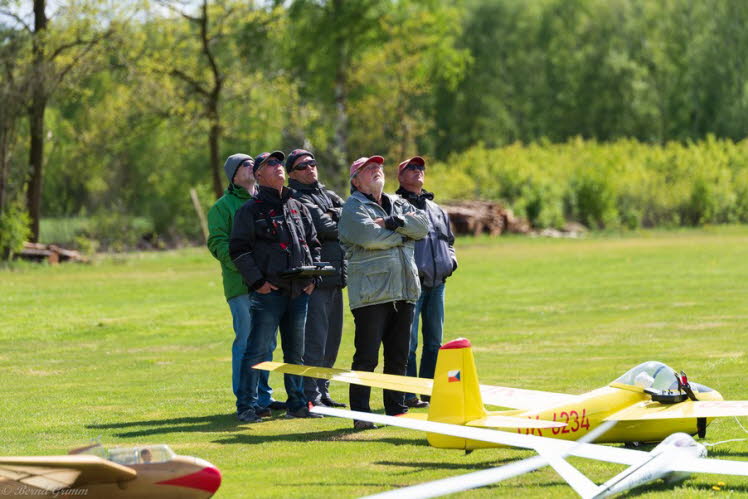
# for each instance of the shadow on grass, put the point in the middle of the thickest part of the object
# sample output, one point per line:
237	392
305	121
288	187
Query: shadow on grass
703	490
308	436
206	424
467	467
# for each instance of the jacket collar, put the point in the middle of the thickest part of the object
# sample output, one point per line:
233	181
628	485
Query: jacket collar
387	201
271	195
418	200
238	191
298	186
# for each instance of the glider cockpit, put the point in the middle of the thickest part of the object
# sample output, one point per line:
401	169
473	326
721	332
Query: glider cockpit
128	456
662	382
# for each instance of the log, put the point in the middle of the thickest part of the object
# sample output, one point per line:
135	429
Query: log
50	253
479	217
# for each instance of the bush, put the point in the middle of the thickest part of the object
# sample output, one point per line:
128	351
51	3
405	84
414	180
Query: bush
14	230
620	184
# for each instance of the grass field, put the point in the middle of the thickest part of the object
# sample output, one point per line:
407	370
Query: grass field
136	349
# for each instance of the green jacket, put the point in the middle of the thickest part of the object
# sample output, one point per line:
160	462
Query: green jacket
220	221
381	264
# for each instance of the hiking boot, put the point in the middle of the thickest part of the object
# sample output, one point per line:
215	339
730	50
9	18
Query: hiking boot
363	425
277	405
302	412
415	403
331	403
249	416
264	412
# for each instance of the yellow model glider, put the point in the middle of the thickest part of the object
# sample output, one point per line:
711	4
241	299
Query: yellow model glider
133	472
649	402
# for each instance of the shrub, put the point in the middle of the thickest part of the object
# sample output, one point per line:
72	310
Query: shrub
14	230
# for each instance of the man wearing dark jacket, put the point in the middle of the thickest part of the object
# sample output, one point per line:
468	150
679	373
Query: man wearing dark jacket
238	169
274	233
436	260
324	320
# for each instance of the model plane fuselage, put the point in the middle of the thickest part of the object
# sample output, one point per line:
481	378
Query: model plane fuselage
138	472
648	402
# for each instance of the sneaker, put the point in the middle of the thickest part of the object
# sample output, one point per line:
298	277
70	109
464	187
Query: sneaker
249	416
363	425
331	403
264	412
302	412
277	405
415	403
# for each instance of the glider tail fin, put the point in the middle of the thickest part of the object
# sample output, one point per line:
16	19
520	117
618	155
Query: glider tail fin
455	397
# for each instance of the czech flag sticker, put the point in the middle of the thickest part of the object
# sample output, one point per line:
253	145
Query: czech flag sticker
453	376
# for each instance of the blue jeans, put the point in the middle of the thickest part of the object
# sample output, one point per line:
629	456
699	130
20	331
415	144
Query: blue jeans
271	312
430	308
240	312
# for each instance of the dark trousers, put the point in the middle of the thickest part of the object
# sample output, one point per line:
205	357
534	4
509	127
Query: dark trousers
387	324
324	329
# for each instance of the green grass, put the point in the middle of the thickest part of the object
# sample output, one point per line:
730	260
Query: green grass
136	349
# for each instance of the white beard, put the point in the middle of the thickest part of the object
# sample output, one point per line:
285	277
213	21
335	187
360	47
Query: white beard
377	186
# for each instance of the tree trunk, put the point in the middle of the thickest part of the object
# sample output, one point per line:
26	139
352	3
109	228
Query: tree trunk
341	97
5	139
36	120
214	138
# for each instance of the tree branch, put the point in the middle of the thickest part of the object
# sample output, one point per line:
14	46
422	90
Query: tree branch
17	18
180	12
190	81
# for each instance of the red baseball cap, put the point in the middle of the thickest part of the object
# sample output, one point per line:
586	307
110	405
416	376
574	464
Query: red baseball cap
360	162
415	159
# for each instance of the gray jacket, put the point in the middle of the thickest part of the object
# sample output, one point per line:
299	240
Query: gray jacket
381	262
435	253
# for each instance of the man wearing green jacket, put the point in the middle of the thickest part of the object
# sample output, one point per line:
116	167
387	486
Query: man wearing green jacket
238	169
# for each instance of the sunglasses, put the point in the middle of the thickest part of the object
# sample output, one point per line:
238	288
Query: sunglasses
248	163
271	162
414	166
306	164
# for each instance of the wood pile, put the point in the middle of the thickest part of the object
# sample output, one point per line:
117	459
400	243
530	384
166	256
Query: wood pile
49	253
479	217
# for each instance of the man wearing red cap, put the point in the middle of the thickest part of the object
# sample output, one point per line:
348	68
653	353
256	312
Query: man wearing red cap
378	233
436	260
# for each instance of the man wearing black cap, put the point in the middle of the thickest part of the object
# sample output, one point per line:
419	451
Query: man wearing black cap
238	169
274	233
324	320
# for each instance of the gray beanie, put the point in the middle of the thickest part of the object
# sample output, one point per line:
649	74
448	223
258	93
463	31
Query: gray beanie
232	164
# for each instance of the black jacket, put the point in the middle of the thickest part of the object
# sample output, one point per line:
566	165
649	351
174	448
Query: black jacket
273	233
324	206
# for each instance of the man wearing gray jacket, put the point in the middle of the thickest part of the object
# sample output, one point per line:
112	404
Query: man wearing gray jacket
436	260
378	233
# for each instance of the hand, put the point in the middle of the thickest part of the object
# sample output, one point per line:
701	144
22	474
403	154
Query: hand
308	290
379	222
266	288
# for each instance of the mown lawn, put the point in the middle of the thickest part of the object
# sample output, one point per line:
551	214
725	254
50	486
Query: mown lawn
136	349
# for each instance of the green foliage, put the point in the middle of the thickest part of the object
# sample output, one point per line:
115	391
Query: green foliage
63	230
499	87
14	229
621	184
115	231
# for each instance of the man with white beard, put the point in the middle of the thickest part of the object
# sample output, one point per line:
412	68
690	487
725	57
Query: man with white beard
378	233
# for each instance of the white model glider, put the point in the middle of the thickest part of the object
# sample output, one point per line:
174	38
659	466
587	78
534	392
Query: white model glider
673	460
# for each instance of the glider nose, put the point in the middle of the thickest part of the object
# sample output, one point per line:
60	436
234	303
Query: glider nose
207	478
